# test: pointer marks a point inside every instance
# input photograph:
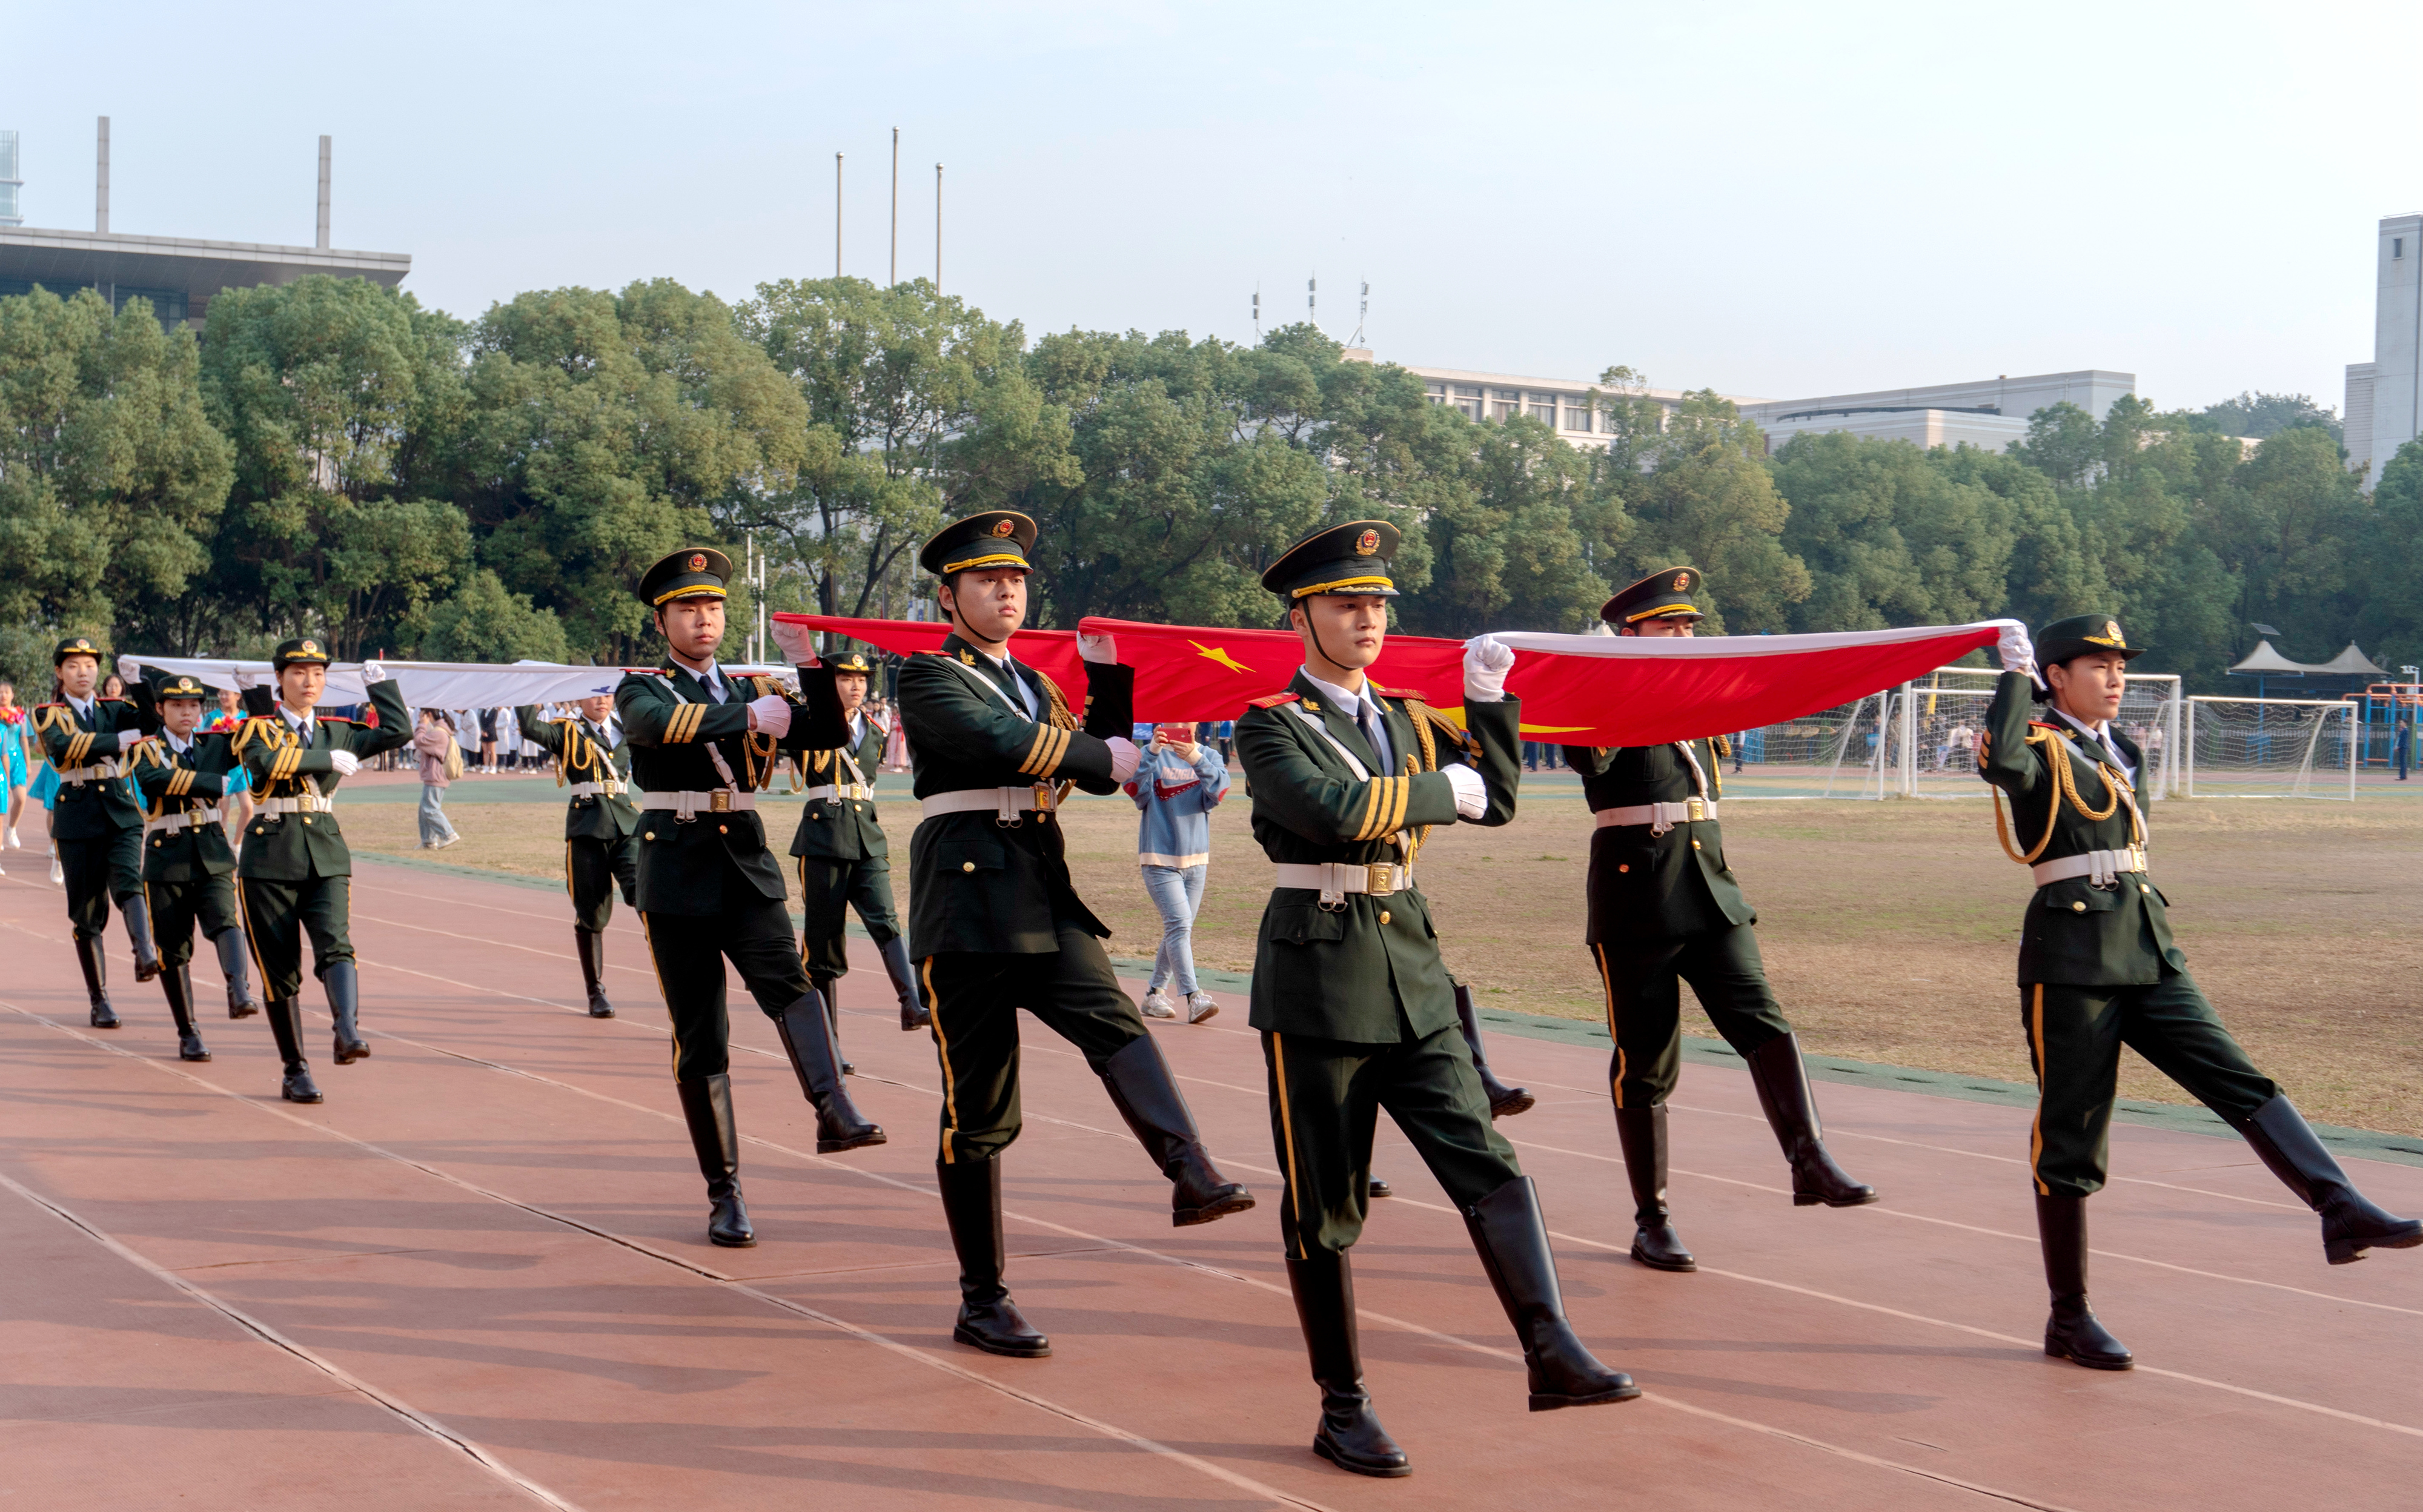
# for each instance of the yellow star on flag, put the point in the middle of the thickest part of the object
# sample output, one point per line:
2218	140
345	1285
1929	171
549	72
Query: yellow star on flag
1220	655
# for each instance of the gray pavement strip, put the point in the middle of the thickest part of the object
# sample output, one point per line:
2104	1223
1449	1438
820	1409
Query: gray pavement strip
2402	1148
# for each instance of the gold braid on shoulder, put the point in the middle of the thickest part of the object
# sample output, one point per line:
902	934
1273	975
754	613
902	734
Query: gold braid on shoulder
2056	756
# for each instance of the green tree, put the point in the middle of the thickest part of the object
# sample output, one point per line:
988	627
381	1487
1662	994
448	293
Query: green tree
110	475
2390	621
2263	415
2065	444
1708	501
1891	534
483	621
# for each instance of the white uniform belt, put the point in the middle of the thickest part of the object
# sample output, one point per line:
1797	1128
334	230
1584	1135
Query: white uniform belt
591	789
305	804
99	771
686	806
841	790
1003	803
1334	879
2098	867
171	824
1658	817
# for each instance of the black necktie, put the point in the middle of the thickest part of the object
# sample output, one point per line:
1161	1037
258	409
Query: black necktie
1368	720
1008	680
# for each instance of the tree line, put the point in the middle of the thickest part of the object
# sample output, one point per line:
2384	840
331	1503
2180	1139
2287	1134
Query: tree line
330	457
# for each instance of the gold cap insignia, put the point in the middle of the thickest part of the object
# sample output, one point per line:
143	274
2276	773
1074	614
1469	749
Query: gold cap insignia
81	645
1366	543
1002	527
1681	582
2111	628
310	649
698	561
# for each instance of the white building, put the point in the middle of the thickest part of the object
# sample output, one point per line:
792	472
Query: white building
2384	396
1562	403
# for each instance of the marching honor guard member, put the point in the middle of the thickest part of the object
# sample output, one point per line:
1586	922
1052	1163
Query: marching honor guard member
96	824
188	868
995	924
296	873
1354	1003
703	744
844	860
600	826
2098	969
1665	909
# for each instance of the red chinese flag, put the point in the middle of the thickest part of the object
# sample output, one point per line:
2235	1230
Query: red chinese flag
1051	652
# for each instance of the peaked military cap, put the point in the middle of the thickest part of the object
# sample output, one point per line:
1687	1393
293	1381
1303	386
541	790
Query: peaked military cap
850	662
182	685
1351	558
77	646
303	651
692	572
2081	635
1665	594
996	539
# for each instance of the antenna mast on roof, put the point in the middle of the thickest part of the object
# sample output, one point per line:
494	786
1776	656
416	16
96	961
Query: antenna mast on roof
1312	302
1258	316
1362	314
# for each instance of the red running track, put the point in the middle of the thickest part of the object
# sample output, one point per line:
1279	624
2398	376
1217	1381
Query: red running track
478	1274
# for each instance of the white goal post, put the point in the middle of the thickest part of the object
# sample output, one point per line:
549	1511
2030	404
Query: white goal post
2269	748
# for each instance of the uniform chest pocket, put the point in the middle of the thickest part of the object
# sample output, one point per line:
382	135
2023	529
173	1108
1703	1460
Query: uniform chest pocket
1305	923
2076	895
967	857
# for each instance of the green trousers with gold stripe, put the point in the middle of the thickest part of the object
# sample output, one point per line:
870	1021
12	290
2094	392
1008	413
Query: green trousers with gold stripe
2074	1038
593	870
178	906
1325	1100
1644	1004
278	915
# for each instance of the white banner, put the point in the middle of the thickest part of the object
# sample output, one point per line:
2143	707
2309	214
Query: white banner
429	684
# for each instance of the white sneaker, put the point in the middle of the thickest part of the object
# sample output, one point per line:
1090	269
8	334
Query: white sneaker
1199	1006
14	843
58	874
1157	1004
451	839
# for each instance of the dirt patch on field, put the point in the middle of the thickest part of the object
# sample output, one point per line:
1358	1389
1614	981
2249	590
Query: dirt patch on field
1889	930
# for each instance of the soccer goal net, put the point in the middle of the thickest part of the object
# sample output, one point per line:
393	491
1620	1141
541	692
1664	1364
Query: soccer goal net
2271	748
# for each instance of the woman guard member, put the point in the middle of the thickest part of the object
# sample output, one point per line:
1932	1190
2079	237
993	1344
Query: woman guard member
296	873
996	925
96	825
601	827
2098	969
1354	1003
704	745
1664	910
188	869
844	859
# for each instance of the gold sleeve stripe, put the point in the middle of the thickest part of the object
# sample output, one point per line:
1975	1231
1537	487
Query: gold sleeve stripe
1026	764
1373	805
77	745
697	719
1404	799
1059	752
180	784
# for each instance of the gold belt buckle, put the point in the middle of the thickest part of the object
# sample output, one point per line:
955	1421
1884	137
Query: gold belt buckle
1380	878
720	802
1045	800
1695	807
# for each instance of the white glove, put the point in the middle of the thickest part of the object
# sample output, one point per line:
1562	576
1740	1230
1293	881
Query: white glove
2018	652
1098	647
111	745
130	670
770	715
793	642
1471	793
344	761
373	674
1486	662
1124	755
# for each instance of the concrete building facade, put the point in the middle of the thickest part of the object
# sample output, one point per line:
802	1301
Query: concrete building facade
2384	397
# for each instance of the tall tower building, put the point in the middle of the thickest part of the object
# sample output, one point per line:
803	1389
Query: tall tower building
2384	396
12	212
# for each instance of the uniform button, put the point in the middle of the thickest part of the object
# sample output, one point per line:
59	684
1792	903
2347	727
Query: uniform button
650	835
1384	916
2143	888
723	829
307	819
1623	866
2078	908
1695	845
967	866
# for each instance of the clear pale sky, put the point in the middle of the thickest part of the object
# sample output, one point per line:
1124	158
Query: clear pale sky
1770	200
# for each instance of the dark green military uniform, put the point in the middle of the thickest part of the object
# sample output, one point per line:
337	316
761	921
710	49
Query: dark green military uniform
294	877
709	890
97	826
1664	909
601	848
1354	1004
844	862
995	924
2098	969
188	869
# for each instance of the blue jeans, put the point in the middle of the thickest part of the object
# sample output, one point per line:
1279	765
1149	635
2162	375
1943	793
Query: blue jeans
1178	892
435	825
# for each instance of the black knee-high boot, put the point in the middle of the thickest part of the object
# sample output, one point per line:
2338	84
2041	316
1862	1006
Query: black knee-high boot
591	947
904	982
1148	1097
1350	1434
1504	1101
233	960
286	1027
1655	1243
987	1320
1782	1082
807	1035
137	915
715	1136
96	981
825	989
177	981
343	986
2351	1222
2073	1331
1512	1238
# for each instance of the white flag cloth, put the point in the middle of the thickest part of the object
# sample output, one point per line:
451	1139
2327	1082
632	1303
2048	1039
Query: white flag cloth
429	684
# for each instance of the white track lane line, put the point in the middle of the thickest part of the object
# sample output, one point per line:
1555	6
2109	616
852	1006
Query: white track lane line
419	1420
933	1361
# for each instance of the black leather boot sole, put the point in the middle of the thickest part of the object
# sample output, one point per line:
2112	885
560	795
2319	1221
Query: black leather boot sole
298	1086
1386	1468
1661	1248
999	1329
2087	1342
727	1223
1380	1188
2351	1223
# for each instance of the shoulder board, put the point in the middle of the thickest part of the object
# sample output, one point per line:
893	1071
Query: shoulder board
338	719
128	702
764	684
1409	694
2048	730
1273	700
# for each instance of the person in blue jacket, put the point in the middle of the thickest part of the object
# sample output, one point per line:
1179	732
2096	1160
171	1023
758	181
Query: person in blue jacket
1176	786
